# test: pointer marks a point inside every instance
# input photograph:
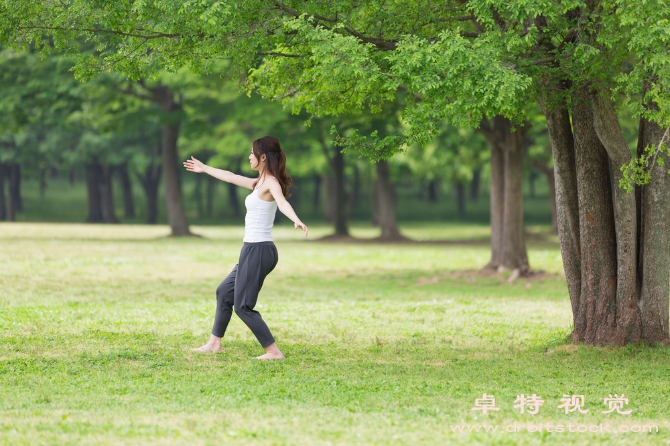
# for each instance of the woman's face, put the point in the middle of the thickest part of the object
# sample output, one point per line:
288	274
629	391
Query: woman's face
254	162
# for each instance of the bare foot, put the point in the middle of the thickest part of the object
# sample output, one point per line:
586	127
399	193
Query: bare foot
273	355
208	348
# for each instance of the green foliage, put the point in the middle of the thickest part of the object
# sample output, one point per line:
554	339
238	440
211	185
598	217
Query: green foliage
638	170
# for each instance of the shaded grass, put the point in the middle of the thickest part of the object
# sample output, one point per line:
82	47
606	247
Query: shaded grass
97	322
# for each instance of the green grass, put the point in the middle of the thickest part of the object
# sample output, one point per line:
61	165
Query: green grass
384	344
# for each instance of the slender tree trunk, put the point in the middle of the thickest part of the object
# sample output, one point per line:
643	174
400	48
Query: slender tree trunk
340	215
551	182
150	181
106	195
93	174
43	182
460	199
386	202
497	194
567	209
126	185
531	183
15	188
3	200
356	189
316	200
197	195
474	185
432	192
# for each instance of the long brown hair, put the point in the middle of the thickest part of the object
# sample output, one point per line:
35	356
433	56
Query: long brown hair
275	162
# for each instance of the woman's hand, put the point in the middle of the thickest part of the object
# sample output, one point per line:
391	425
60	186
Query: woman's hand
302	226
194	165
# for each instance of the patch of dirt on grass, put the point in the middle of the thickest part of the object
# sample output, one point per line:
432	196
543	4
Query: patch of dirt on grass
471	275
563	348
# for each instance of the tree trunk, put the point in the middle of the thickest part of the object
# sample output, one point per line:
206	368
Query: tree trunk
197	195
606	125
107	196
93	174
654	251
126	185
150	181
173	196
495	137
3	200
551	181
233	199
15	188
508	247
531	183
339	214
474	185
43	182
386	203
514	244
595	321
356	189
567	209
316	200
432	192
460	199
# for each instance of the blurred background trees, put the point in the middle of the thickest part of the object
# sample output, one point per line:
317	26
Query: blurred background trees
95	152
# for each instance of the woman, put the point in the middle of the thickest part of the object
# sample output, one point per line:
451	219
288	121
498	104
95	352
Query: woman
259	255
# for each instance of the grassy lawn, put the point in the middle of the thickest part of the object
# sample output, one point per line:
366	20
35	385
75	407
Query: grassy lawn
384	344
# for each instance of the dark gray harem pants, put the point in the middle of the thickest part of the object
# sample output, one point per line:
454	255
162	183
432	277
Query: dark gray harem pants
240	291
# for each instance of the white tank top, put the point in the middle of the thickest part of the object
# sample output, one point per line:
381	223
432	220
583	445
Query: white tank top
259	219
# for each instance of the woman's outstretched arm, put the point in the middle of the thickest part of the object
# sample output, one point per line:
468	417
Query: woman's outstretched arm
284	206
194	165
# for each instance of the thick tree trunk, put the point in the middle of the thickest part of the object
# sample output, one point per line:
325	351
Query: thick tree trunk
474	184
173	196
508	248
460	199
106	195
606	125
3	200
387	215
93	174
595	320
515	256
126	185
655	243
